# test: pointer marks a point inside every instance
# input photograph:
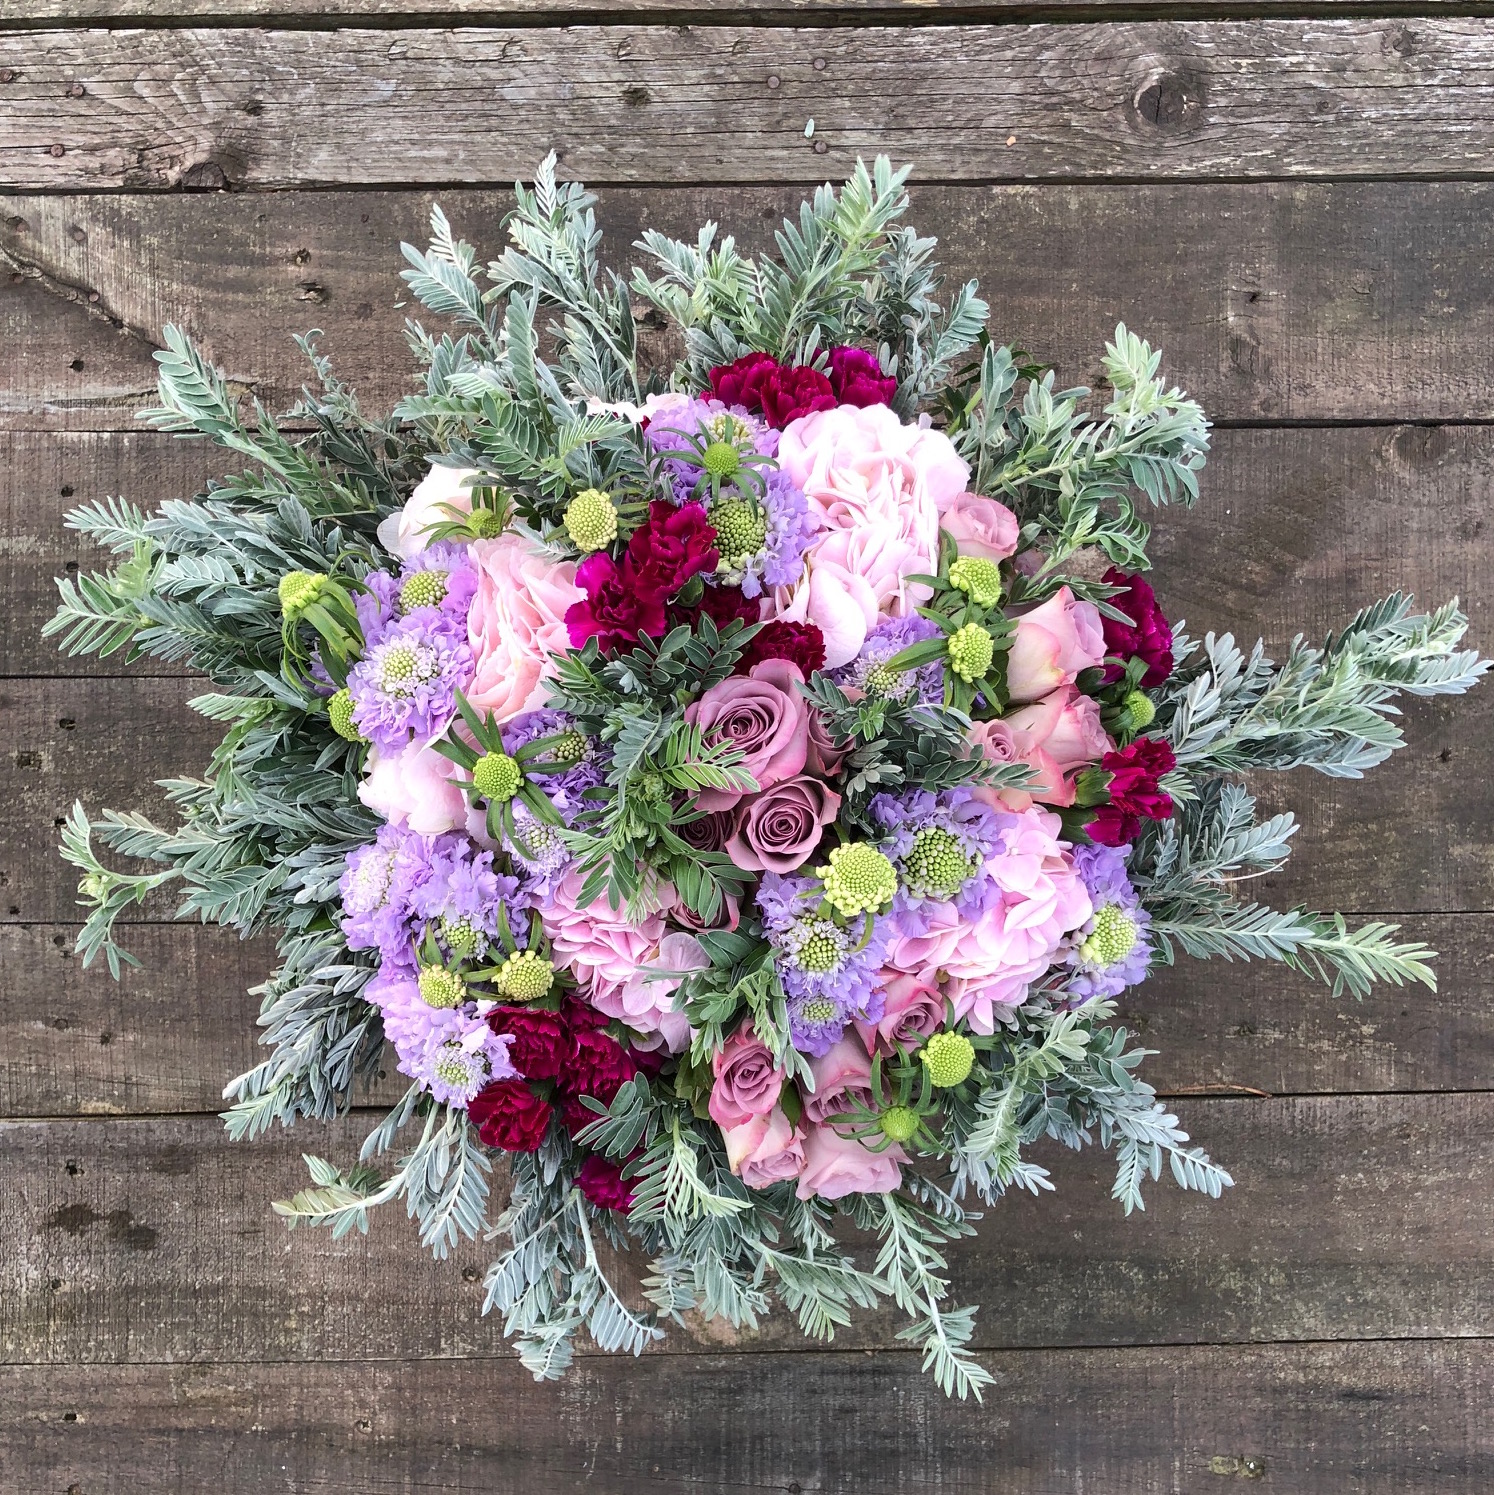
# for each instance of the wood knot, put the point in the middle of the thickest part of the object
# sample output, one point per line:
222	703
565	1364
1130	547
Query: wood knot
635	96
203	176
1170	101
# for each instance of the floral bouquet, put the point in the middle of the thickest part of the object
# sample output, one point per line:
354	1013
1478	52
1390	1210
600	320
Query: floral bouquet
739	793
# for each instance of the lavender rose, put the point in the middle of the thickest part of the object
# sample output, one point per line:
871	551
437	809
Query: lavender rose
761	714
747	1082
778	830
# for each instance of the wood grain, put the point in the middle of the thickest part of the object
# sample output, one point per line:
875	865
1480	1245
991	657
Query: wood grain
266	109
167	1038
1272	301
1322	1419
1351	1218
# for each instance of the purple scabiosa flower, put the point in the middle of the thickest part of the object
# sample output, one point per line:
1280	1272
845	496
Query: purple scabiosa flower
761	539
438	584
829	971
406	685
939	843
462	896
378	885
693	424
376	606
1109	951
868	672
586	764
539	855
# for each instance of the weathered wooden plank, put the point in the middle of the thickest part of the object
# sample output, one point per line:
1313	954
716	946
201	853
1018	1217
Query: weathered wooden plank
1342	1419
73	1043
1359	1217
253	108
1300	301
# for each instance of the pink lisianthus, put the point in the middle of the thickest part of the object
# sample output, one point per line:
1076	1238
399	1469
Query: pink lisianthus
645	1001
764	1149
1057	735
842	1077
440	491
762	714
912	1008
599	944
836	1165
516	622
413	789
979	526
1031	898
747	1082
1052	644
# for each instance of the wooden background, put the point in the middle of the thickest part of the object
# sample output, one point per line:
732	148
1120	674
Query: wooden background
1300	210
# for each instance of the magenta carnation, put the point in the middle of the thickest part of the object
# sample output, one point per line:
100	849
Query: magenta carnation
1135	793
1147	635
857	378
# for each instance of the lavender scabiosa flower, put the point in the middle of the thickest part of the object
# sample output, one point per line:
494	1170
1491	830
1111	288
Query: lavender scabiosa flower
584	764
868	672
376	605
406	685
1109	951
686	429
829	970
378	887
539	855
462	898
939	843
441	578
762	539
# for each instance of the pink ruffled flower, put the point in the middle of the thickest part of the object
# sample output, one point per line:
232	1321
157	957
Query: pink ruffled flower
412	789
765	1149
980	526
912	1008
440	491
1032	898
516	622
842	1076
599	944
761	713
747	1082
835	1166
645	1001
1052	644
1057	735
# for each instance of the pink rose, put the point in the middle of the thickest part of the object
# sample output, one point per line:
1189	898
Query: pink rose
747	1082
853	577
824	756
517	621
835	1166
1033	897
1052	644
912	1009
842	1076
778	830
599	944
645	1001
765	1150
763	715
440	491
980	526
998	744
413	790
1060	733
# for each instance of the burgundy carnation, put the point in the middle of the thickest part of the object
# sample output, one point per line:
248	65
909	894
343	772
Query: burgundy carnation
801	643
510	1116
741	383
601	1067
542	1045
1134	790
601	1181
857	378
722	605
616	609
673	545
790	393
1148	634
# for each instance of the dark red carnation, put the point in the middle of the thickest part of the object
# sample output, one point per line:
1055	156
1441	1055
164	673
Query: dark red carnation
542	1045
722	605
741	383
580	1016
601	1181
616	609
801	643
790	393
857	378
1134	790
1147	635
510	1116
673	545
599	1068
